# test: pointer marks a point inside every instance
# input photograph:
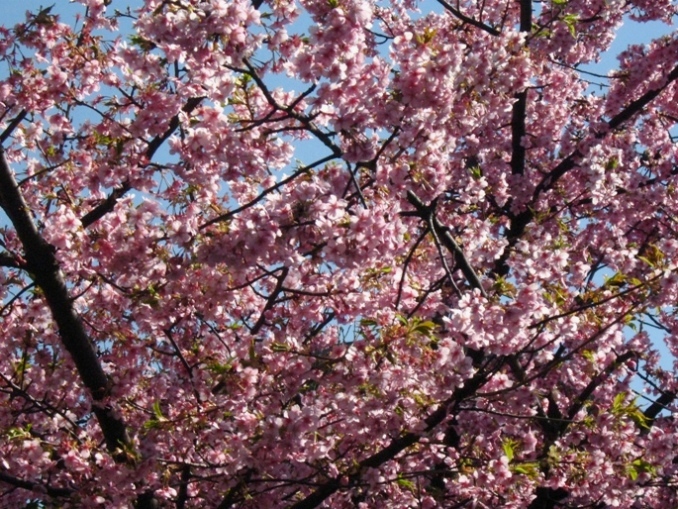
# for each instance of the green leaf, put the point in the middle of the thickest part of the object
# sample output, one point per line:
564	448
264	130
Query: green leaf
407	484
637	467
19	433
643	465
653	256
158	418
612	164
140	42
631	410
618	403
638	417
504	288
529	468
219	368
508	445
157	412
617	280
553	457
424	328
588	355
646	260
426	36
571	22
476	172
367	322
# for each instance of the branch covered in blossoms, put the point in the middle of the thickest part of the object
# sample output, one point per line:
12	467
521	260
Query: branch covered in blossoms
338	254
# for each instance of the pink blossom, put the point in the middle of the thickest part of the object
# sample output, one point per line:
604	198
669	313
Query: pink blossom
337	253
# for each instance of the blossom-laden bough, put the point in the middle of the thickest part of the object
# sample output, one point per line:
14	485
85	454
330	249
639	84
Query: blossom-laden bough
338	253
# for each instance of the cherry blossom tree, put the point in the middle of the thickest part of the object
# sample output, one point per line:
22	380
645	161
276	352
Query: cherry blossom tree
338	253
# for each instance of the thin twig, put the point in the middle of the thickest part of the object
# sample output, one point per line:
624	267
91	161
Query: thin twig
301	171
466	19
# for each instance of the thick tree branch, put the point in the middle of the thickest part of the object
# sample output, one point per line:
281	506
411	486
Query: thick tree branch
525	15
548	498
182	493
657	407
105	206
517	134
44	269
12	125
518	115
52	491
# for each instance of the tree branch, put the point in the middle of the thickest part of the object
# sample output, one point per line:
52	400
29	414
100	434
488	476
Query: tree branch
406	263
517	134
301	171
520	221
396	446
12	125
52	491
109	203
615	123
525	15
458	14
657	407
45	272
8	260
424	212
595	382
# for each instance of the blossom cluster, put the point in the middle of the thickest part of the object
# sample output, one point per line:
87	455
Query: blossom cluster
338	253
